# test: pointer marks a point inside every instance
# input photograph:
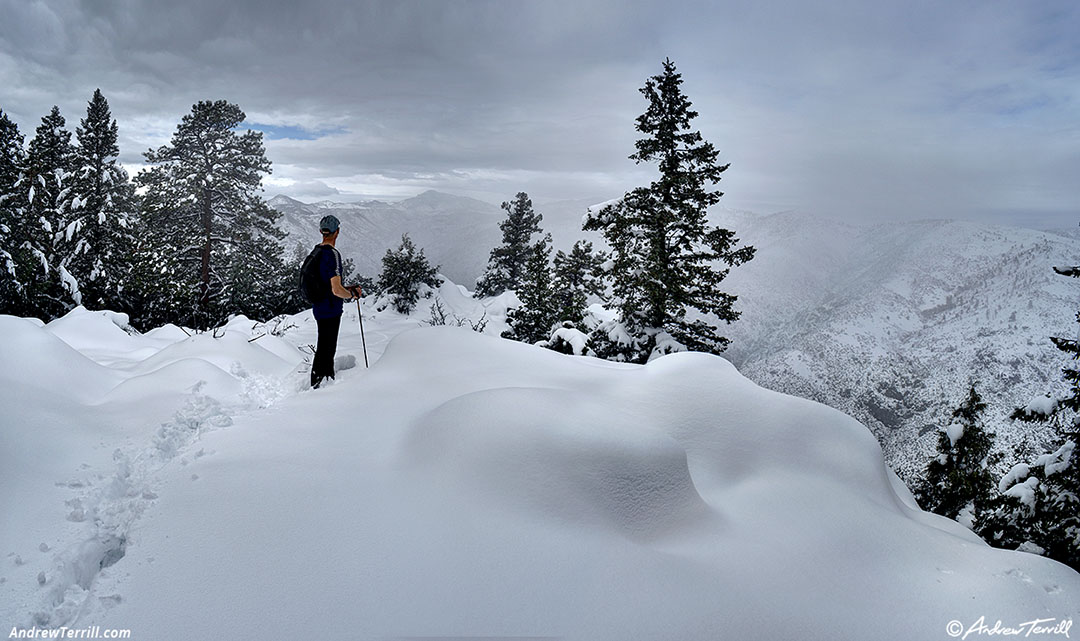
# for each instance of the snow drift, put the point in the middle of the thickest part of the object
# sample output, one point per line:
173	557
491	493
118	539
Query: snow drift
467	486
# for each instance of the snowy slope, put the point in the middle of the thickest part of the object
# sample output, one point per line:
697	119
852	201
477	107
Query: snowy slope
463	486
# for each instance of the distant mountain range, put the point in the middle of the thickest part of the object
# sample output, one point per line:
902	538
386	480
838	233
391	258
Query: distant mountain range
889	323
456	232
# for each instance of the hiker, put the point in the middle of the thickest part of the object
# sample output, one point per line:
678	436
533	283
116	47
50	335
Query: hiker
328	309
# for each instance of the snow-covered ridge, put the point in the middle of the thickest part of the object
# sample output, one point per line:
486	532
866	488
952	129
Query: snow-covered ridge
464	485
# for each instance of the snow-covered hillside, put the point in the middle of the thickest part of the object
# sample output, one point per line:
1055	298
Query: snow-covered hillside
464	486
890	323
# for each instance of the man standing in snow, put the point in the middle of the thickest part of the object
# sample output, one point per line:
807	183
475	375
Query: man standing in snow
328	311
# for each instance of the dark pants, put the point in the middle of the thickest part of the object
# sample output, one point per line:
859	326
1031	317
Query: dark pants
322	366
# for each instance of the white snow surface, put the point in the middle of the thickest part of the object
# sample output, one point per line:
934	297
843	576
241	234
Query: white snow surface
464	486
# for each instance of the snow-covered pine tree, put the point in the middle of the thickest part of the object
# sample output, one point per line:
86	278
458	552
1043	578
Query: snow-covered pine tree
202	198
405	274
663	252
577	277
506	264
49	183
97	243
1040	509
18	264
535	319
958	481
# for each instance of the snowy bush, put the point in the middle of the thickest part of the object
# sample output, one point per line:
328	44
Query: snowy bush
568	339
406	277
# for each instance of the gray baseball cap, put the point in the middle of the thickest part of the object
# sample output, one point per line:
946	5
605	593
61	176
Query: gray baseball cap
329	224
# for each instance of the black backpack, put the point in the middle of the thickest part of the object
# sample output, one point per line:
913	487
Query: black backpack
312	286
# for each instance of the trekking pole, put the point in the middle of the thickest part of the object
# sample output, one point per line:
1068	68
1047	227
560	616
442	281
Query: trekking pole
360	319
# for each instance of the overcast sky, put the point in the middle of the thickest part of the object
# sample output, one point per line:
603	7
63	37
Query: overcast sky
870	110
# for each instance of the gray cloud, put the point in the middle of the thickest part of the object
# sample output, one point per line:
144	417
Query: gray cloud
862	111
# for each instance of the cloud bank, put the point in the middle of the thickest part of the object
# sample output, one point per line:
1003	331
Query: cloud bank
861	111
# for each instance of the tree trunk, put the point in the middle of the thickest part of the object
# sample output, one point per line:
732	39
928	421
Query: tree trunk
207	220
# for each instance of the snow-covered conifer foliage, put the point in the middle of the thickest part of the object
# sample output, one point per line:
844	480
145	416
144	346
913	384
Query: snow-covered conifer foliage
958	481
47	187
406	276
16	261
664	254
1039	506
577	277
216	245
97	242
507	262
534	319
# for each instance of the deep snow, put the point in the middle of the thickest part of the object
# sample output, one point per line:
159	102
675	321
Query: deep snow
463	486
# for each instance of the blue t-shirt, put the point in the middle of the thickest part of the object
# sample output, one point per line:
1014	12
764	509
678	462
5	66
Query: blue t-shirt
329	266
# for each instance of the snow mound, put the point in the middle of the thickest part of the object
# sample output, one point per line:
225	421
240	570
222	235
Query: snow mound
585	464
84	329
225	351
35	357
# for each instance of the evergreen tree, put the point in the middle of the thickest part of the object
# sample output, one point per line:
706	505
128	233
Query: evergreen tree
1040	506
49	179
15	259
577	277
405	274
202	199
663	253
535	319
506	264
958	482
97	244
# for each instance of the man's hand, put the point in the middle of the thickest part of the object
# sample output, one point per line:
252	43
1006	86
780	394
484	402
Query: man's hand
356	291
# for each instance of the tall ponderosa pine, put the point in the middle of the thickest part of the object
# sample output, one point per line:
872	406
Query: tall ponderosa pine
16	262
577	276
958	481
662	249
216	248
405	274
49	183
1040	508
97	242
506	264
537	316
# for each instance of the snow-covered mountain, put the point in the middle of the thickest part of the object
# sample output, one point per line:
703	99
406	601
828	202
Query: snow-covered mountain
455	232
465	486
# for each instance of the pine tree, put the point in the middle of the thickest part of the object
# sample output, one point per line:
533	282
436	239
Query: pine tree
98	243
663	253
405	275
506	264
15	259
202	198
49	179
1039	509
577	277
958	481
535	319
